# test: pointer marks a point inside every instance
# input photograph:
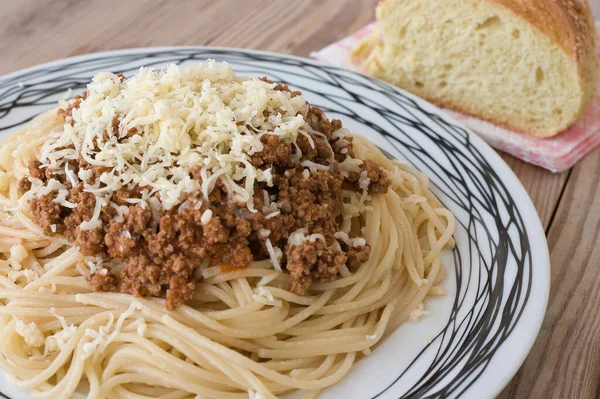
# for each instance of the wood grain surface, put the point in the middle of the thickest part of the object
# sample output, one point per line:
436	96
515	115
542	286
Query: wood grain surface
565	361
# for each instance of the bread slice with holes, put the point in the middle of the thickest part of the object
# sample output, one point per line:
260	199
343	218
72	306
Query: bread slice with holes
528	65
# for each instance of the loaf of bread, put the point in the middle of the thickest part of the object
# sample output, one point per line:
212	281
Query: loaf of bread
528	65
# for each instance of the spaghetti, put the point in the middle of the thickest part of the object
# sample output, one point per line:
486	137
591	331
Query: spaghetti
242	333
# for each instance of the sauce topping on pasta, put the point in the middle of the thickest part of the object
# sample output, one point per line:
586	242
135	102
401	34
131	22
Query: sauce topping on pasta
164	176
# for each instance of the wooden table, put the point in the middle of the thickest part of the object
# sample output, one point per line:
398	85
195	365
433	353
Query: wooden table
565	361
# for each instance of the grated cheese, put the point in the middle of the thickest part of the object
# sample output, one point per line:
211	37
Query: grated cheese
359	242
352	242
272	215
299	237
206	216
363	180
59	340
418	312
315	166
71	175
264	296
95	264
170	121
101	337
31	333
95	222
264	233
350	165
275	254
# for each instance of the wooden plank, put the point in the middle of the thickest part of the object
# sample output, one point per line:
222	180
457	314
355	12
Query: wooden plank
43	31
543	187
565	361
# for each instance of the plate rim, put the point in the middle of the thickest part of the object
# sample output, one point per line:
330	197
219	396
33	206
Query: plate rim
534	225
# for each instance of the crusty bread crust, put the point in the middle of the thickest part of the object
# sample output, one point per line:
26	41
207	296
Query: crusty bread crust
568	24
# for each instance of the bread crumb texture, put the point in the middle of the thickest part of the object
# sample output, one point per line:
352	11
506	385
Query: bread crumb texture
528	65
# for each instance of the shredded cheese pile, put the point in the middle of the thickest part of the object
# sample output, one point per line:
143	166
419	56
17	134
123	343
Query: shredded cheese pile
151	129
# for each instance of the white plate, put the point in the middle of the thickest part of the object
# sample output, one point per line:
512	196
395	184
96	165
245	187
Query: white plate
473	340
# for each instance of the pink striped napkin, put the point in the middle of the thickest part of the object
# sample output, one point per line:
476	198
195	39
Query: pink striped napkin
556	154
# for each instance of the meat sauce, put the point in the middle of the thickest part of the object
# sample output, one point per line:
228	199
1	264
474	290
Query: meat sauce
161	252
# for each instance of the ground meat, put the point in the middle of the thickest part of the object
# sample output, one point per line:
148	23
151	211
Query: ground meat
166	255
74	104
97	170
86	202
274	151
313	261
47	213
103	282
24	185
35	170
379	182
180	290
122	195
312	202
90	242
308	147
138	220
282	87
317	120
357	256
160	251
119	242
143	277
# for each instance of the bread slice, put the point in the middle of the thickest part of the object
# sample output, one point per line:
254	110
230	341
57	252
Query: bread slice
528	65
